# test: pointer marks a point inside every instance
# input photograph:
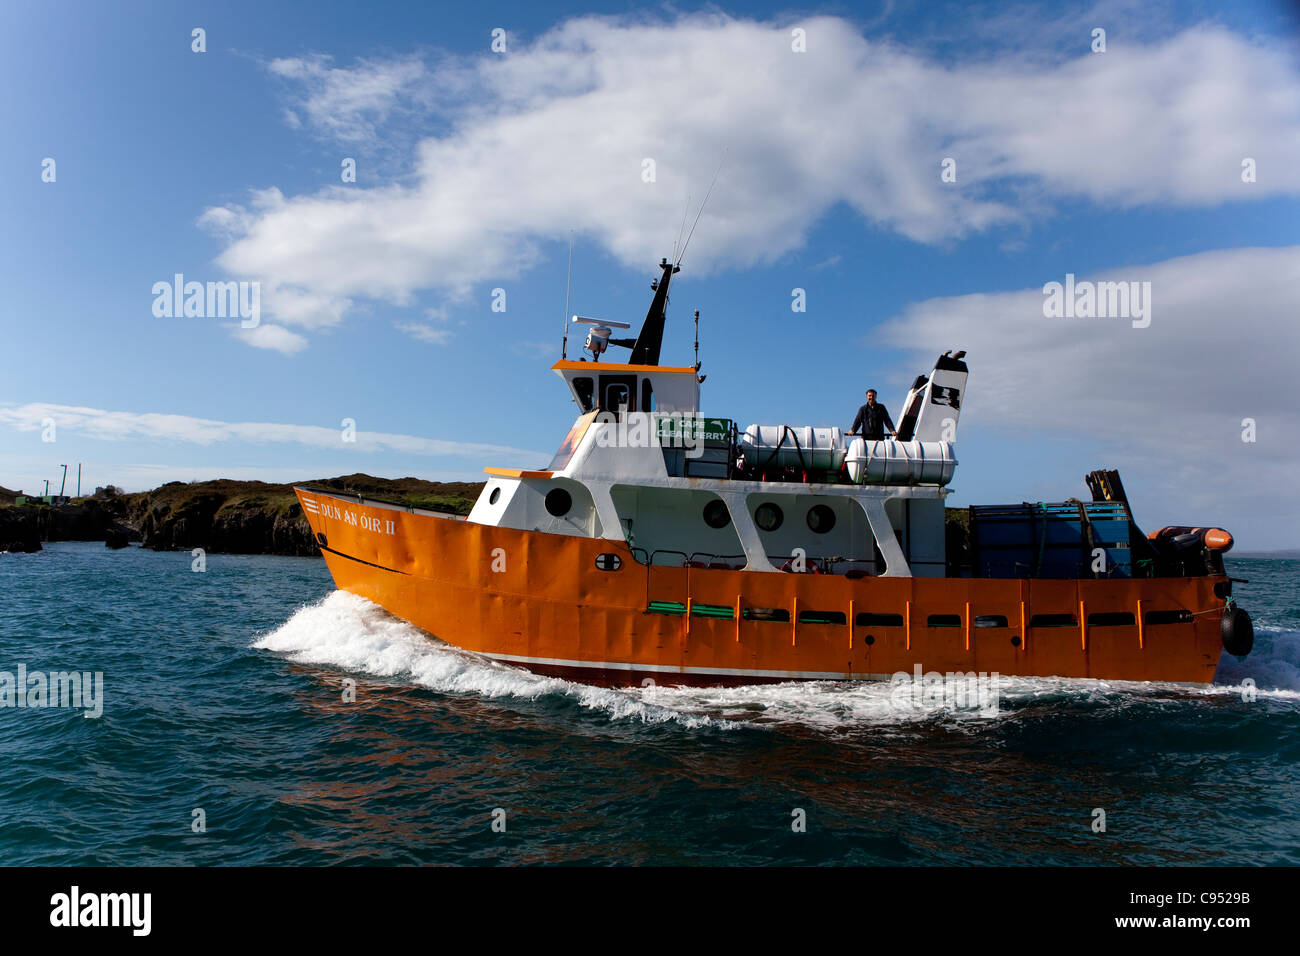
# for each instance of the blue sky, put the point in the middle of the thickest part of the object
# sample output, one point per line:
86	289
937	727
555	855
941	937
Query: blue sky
474	166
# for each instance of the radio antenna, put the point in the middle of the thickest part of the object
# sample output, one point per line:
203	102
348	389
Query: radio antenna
697	341
686	207
568	280
702	205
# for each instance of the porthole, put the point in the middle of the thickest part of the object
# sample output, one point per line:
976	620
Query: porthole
820	519
558	502
716	514
495	496
768	517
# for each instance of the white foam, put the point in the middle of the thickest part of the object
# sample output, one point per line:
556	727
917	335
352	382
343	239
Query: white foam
353	634
1273	663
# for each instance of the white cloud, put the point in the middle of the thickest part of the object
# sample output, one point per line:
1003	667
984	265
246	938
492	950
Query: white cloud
552	138
153	426
1166	401
422	332
350	104
272	337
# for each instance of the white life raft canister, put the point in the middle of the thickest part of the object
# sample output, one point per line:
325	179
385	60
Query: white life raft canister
890	462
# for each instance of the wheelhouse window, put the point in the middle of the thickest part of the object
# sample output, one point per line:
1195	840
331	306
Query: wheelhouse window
618	393
571	442
618	398
585	390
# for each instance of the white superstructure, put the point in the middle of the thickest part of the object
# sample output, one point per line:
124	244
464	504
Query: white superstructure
642	465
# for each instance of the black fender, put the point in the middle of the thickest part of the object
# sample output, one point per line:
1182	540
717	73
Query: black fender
1237	631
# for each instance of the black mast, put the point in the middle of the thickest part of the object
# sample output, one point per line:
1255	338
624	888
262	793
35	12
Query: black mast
648	343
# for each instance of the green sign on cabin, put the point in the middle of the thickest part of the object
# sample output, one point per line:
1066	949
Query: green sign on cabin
691	428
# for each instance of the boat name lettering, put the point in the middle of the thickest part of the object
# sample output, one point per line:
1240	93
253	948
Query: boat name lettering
364	522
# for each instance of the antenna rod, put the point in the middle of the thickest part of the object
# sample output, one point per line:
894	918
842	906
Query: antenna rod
686	208
702	205
697	340
568	279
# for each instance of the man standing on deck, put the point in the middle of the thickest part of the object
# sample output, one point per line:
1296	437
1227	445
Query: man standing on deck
873	418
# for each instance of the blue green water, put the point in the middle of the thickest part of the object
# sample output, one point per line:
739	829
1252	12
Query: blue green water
224	692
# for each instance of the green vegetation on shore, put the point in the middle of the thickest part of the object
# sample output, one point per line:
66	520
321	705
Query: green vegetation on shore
222	515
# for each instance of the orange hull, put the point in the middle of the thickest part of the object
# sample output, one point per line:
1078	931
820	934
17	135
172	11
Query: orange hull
539	600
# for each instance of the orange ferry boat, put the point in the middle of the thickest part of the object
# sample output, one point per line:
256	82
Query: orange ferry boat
662	544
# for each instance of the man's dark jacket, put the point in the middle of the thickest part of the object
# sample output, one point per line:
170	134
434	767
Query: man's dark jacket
873	419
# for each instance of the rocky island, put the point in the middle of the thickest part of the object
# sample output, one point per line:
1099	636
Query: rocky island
220	516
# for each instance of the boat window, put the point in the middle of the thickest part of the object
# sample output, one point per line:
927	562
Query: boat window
867	619
1167	617
558	502
944	620
990	620
571	442
648	403
716	514
1111	619
585	390
617	393
768	516
820	519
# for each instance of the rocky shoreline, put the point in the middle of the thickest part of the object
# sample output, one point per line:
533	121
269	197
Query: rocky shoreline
251	517
220	516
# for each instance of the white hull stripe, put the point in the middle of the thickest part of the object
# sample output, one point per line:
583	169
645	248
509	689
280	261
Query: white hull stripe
668	669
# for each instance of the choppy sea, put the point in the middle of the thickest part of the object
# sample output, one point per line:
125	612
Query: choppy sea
228	736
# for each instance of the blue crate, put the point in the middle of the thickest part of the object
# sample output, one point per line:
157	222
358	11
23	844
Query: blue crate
1050	540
